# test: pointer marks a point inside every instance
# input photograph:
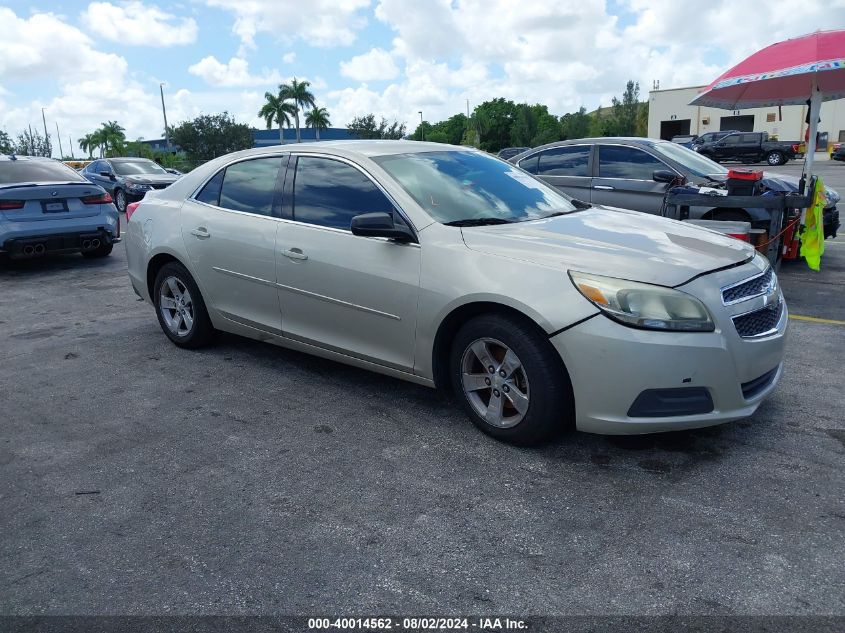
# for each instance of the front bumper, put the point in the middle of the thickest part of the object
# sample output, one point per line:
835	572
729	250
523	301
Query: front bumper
611	366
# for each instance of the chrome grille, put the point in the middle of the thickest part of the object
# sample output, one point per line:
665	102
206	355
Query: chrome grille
759	322
748	289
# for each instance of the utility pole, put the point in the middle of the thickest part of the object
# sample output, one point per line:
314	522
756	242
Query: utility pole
467	108
164	112
70	145
422	127
59	137
32	140
46	141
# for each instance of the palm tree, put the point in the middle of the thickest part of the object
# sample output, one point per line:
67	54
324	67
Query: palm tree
112	135
318	118
276	109
297	91
87	144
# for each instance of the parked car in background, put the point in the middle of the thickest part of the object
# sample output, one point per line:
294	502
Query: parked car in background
510	152
47	207
635	173
838	152
448	267
710	137
749	147
685	139
128	179
175	172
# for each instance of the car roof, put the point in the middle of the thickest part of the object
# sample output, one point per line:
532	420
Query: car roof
17	157
640	141
128	159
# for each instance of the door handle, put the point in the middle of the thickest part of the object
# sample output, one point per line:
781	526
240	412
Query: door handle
201	232
295	253
603	187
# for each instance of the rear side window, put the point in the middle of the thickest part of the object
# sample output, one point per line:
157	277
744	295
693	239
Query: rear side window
564	161
210	194
22	170
617	161
250	185
330	193
530	164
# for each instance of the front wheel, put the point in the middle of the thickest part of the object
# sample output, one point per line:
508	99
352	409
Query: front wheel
510	379
775	158
120	200
180	307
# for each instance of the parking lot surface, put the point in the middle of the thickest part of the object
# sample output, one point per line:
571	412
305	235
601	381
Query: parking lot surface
140	478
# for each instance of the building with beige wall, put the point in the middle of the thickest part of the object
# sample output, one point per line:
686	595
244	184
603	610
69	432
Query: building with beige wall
669	114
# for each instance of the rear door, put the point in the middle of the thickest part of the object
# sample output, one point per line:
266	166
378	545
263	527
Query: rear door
566	168
624	178
229	229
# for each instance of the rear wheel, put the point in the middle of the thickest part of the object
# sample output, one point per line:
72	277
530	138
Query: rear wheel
180	307
775	158
510	379
120	200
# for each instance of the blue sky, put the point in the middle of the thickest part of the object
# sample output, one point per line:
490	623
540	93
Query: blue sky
87	62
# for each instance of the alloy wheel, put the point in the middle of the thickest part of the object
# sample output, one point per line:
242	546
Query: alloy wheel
495	383
176	306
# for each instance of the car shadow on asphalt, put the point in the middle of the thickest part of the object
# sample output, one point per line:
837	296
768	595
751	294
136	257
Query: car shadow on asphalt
10	268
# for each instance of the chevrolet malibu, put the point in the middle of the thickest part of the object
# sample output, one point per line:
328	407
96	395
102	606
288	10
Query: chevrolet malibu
450	268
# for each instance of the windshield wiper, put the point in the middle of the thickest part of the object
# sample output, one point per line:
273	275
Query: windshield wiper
478	222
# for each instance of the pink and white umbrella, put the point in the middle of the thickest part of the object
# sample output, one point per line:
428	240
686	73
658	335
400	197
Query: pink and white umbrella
790	72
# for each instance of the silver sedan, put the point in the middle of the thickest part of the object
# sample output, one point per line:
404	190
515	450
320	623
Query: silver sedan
448	267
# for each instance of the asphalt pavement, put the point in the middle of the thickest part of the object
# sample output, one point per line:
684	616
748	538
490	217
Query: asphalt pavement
139	478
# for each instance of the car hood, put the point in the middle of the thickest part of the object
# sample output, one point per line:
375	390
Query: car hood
163	179
613	242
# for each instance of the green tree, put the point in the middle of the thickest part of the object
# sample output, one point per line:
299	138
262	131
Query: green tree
298	93
575	124
548	130
642	119
524	126
423	132
318	118
112	137
603	123
211	135
31	143
365	127
6	144
493	120
88	144
138	148
624	112
276	109
451	130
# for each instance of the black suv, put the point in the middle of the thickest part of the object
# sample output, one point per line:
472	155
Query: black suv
128	179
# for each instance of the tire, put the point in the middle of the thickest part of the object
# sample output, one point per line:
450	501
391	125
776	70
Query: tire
731	215
120	200
775	158
174	283
103	250
525	365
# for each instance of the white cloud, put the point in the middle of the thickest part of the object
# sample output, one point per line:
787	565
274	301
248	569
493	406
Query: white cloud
135	23
323	23
377	64
289	58
233	73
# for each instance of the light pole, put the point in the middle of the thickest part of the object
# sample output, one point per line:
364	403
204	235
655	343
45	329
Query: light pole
46	141
59	138
422	128
164	113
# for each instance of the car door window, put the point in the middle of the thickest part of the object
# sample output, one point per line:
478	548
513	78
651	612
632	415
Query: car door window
733	139
617	161
250	185
210	194
564	161
530	164
330	193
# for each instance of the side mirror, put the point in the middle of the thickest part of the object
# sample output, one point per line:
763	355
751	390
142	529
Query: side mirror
664	175
381	224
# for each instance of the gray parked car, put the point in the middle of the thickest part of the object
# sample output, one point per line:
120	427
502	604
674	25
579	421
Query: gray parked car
46	207
635	173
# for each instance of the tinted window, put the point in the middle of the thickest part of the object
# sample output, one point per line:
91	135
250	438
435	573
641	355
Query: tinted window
22	170
564	161
128	168
616	161
210	194
250	185
330	193
530	164
750	138
94	168
733	139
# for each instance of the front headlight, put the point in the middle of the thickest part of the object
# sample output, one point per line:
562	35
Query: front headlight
644	305
138	187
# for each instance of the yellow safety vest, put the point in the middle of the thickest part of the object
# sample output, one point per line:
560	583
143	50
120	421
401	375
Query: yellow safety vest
812	237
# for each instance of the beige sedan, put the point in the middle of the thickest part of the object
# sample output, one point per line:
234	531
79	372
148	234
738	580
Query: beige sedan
448	267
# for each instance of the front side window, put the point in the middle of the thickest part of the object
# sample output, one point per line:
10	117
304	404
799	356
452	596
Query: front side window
565	161
456	186
250	185
617	161
330	193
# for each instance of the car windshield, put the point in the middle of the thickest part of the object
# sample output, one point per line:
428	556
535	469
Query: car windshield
461	186
21	170
129	168
690	160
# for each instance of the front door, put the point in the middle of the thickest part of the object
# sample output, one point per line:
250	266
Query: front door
229	230
625	179
350	294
